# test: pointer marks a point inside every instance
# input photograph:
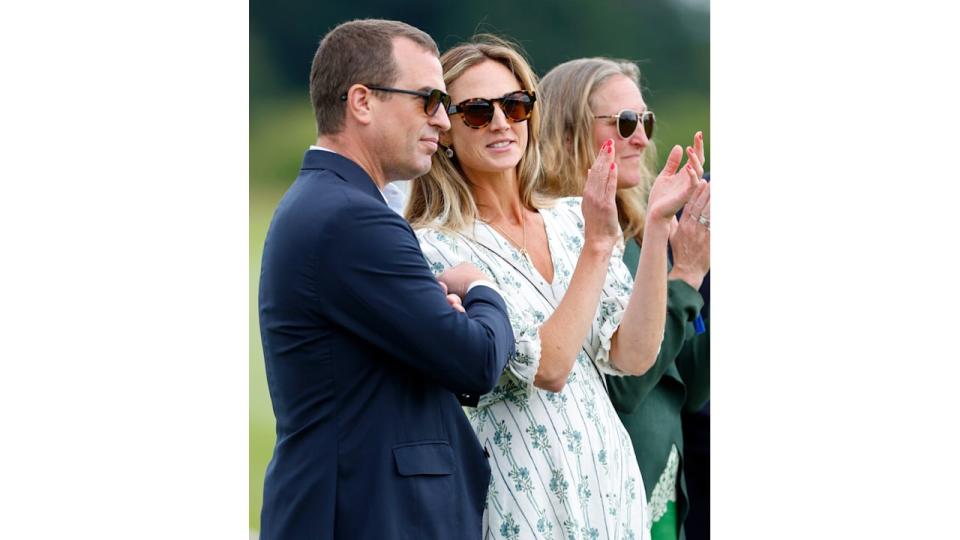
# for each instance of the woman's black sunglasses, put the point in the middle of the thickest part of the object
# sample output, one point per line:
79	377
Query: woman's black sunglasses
478	112
431	99
627	122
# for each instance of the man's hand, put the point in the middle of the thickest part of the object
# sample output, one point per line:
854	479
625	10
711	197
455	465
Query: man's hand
452	299
458	278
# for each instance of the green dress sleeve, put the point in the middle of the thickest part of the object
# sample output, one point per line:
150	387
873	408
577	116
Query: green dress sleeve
683	305
693	363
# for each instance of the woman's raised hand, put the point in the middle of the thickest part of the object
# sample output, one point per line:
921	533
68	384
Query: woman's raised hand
691	238
698	151
601	226
674	185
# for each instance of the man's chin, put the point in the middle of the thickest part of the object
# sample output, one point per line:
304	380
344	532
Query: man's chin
412	171
423	165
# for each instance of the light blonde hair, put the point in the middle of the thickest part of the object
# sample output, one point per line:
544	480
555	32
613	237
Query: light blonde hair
568	146
442	197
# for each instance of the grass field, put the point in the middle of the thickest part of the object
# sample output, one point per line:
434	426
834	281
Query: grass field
279	134
262	426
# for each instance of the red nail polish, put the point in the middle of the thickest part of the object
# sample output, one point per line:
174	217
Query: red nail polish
610	149
613	166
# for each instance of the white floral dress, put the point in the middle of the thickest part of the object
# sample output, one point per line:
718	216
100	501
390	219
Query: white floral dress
562	463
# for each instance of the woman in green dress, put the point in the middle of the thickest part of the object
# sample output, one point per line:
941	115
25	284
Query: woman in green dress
586	102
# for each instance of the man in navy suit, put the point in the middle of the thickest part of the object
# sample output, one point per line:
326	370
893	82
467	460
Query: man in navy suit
367	359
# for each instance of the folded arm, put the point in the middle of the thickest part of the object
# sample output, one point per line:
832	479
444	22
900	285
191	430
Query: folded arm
378	286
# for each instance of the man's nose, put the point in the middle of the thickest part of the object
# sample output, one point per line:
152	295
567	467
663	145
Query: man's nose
440	119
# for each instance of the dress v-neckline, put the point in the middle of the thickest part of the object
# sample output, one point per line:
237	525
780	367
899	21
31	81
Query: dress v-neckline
528	262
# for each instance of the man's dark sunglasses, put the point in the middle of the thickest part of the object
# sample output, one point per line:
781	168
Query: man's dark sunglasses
431	99
478	112
627	122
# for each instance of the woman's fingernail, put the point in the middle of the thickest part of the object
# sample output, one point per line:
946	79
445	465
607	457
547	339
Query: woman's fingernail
613	166
610	149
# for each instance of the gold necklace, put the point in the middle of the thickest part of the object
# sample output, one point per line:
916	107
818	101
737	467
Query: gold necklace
523	225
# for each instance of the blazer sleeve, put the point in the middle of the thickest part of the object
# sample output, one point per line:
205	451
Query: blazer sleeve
683	304
444	251
377	286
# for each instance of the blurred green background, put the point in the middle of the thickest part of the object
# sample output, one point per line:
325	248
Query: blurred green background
670	39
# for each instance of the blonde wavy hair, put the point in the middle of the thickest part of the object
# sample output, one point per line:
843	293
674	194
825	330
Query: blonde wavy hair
442	197
568	146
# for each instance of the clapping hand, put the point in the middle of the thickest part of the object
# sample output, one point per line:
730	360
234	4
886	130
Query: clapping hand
674	186
697	150
601	225
690	239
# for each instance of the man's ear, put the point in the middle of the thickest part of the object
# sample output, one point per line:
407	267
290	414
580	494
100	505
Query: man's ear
359	104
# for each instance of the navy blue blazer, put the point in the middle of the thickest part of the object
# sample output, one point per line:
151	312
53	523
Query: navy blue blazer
365	361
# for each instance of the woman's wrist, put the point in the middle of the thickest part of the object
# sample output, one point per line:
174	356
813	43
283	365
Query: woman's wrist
689	276
601	248
656	230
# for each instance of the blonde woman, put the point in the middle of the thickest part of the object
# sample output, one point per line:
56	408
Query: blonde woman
562	463
587	101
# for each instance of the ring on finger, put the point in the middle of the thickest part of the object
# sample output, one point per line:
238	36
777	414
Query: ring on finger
705	221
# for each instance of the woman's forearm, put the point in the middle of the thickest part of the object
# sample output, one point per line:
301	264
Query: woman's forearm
562	335
634	345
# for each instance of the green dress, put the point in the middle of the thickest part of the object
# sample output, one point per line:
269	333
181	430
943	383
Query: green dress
650	405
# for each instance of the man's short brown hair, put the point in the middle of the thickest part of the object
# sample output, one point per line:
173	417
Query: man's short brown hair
356	52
